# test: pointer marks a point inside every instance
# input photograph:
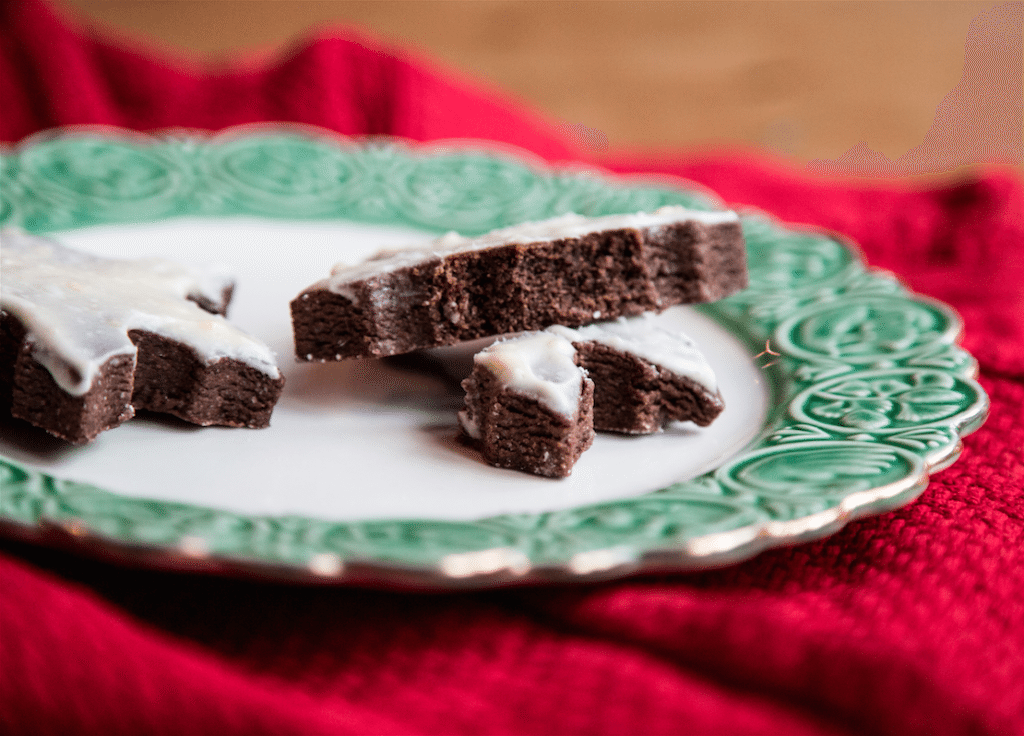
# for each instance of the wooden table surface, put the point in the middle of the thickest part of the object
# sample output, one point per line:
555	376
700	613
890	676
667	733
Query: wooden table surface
807	80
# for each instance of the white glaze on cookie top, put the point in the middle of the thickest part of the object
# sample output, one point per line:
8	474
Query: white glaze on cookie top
645	338
78	308
539	365
556	228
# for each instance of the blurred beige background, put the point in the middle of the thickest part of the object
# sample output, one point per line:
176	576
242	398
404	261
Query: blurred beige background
807	80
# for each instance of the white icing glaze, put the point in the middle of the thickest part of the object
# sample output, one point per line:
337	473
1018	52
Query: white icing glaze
644	337
539	365
78	308
555	228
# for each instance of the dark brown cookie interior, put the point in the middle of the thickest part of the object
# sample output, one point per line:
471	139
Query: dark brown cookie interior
517	287
519	432
164	376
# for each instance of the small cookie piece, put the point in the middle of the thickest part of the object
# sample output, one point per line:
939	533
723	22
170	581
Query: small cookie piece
86	341
569	270
644	375
529	406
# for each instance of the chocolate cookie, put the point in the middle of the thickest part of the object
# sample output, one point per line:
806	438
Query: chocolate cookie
529	406
86	341
568	270
644	374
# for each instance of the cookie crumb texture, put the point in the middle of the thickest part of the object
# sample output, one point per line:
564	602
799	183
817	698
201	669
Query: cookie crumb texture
634	396
85	341
534	401
645	375
516	431
163	376
403	302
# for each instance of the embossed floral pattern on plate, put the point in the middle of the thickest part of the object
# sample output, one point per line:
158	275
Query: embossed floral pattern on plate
870	390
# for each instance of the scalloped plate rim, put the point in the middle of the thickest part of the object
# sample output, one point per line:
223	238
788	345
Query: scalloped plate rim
683	556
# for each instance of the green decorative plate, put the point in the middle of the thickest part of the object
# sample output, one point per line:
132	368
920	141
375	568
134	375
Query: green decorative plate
843	390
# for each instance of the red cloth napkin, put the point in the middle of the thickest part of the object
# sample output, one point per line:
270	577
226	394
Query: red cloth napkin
908	623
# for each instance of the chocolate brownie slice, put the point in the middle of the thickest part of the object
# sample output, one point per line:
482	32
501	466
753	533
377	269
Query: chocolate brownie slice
529	406
644	374
86	341
569	270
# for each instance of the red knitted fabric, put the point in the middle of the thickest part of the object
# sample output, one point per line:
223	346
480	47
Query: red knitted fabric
907	623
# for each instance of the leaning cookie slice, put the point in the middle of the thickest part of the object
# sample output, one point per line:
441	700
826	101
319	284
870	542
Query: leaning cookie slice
645	375
569	270
86	341
529	406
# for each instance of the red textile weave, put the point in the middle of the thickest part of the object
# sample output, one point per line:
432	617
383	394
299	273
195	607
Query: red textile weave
908	623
